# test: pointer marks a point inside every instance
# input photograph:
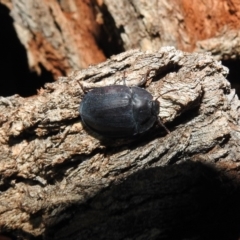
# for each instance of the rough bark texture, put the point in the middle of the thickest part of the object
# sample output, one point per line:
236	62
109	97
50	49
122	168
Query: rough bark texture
59	35
188	25
62	182
224	46
69	35
59	181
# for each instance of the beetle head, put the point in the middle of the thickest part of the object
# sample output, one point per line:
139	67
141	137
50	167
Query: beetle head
155	107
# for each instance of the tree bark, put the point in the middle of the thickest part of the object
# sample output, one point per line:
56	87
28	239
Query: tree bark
188	25
62	36
60	181
58	35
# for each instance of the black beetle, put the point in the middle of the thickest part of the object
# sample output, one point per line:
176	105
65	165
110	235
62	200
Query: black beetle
119	111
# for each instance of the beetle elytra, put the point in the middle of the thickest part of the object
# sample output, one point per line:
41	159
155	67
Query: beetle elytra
119	111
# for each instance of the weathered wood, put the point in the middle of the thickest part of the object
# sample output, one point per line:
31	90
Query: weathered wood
224	46
58	35
187	25
66	35
54	172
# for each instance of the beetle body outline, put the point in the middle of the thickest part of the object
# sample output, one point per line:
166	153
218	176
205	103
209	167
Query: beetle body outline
119	111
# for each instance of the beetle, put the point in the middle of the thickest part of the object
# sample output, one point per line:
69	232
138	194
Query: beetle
119	111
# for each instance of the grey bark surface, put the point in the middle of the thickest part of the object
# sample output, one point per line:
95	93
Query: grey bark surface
225	46
149	25
62	182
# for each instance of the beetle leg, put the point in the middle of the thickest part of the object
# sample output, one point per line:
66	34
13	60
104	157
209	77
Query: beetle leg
84	89
123	79
81	86
145	77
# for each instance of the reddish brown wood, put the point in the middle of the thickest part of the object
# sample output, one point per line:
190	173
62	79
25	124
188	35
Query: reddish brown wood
61	36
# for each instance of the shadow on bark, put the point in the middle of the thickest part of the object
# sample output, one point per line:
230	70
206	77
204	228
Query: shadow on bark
186	201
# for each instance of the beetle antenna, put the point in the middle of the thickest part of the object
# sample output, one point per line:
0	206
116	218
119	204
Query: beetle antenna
159	120
164	93
160	123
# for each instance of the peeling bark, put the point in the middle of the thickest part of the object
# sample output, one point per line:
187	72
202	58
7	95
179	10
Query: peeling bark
224	46
59	35
62	36
187	25
62	182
